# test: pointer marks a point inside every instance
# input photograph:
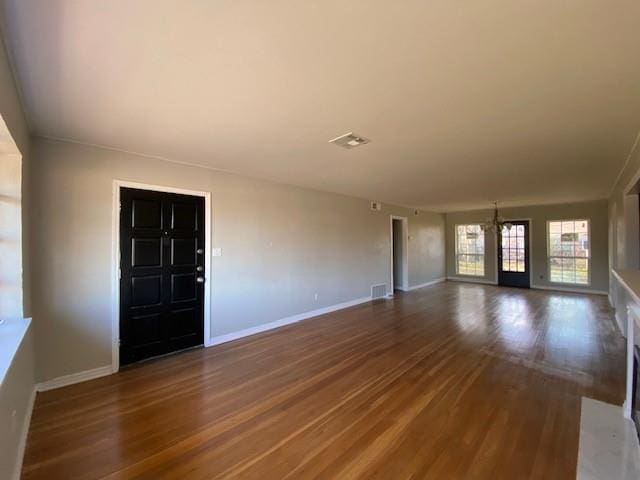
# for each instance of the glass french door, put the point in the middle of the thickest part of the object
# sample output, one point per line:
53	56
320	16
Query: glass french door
513	255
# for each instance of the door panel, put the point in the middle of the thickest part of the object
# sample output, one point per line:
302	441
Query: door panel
146	252
183	287
146	291
183	251
161	258
183	322
513	255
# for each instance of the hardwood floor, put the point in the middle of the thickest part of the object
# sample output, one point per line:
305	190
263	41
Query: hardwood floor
451	381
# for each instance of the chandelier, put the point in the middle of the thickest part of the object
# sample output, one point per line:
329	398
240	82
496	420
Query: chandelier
495	224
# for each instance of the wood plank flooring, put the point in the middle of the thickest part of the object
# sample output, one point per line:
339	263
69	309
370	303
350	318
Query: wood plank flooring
451	381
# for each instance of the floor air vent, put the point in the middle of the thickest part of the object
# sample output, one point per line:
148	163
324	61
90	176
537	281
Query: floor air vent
379	291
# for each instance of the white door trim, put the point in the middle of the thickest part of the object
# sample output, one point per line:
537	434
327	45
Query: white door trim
405	252
115	260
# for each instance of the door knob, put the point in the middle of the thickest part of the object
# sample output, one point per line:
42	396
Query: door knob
200	251
199	268
200	279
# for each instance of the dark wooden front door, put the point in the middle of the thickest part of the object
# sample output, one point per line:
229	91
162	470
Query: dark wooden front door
161	273
513	255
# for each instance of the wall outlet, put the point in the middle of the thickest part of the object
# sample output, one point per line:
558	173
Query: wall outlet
217	252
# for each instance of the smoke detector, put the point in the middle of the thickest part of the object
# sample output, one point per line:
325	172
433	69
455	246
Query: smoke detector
349	140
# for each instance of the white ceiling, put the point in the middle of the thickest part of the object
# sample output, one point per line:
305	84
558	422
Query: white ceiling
523	101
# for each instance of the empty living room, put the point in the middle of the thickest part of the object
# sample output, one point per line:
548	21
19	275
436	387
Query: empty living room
319	240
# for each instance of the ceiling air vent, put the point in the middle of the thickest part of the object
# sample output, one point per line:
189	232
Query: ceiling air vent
349	140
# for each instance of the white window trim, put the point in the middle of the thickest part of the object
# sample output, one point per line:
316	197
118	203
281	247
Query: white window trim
484	255
589	263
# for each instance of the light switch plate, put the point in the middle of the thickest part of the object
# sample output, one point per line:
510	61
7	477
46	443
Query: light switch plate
217	252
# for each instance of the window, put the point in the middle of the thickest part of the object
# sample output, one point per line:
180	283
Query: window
470	250
569	251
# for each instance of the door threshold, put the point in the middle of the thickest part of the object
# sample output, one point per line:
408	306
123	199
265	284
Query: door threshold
164	355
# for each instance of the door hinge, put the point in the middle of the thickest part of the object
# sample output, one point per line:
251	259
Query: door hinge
119	274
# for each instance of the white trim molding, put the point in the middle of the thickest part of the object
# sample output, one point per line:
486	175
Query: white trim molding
428	284
22	443
472	280
115	260
621	323
633	318
569	290
286	321
74	378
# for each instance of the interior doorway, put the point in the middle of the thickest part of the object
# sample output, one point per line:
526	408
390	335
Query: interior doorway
399	253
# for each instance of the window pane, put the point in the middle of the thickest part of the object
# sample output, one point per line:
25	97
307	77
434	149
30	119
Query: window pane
555	249
478	264
555	227
581	226
555	269
566	250
470	250
568	227
568	270
582	271
463	266
582	247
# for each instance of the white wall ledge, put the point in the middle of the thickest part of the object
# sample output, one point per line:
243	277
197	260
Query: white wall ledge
630	281
12	331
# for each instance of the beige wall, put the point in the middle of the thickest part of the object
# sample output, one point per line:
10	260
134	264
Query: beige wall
596	212
280	245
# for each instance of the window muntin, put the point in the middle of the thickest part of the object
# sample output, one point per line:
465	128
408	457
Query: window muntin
569	251
469	250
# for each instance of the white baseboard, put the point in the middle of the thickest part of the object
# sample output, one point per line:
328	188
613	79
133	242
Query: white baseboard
285	321
472	280
22	444
428	284
569	289
74	378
